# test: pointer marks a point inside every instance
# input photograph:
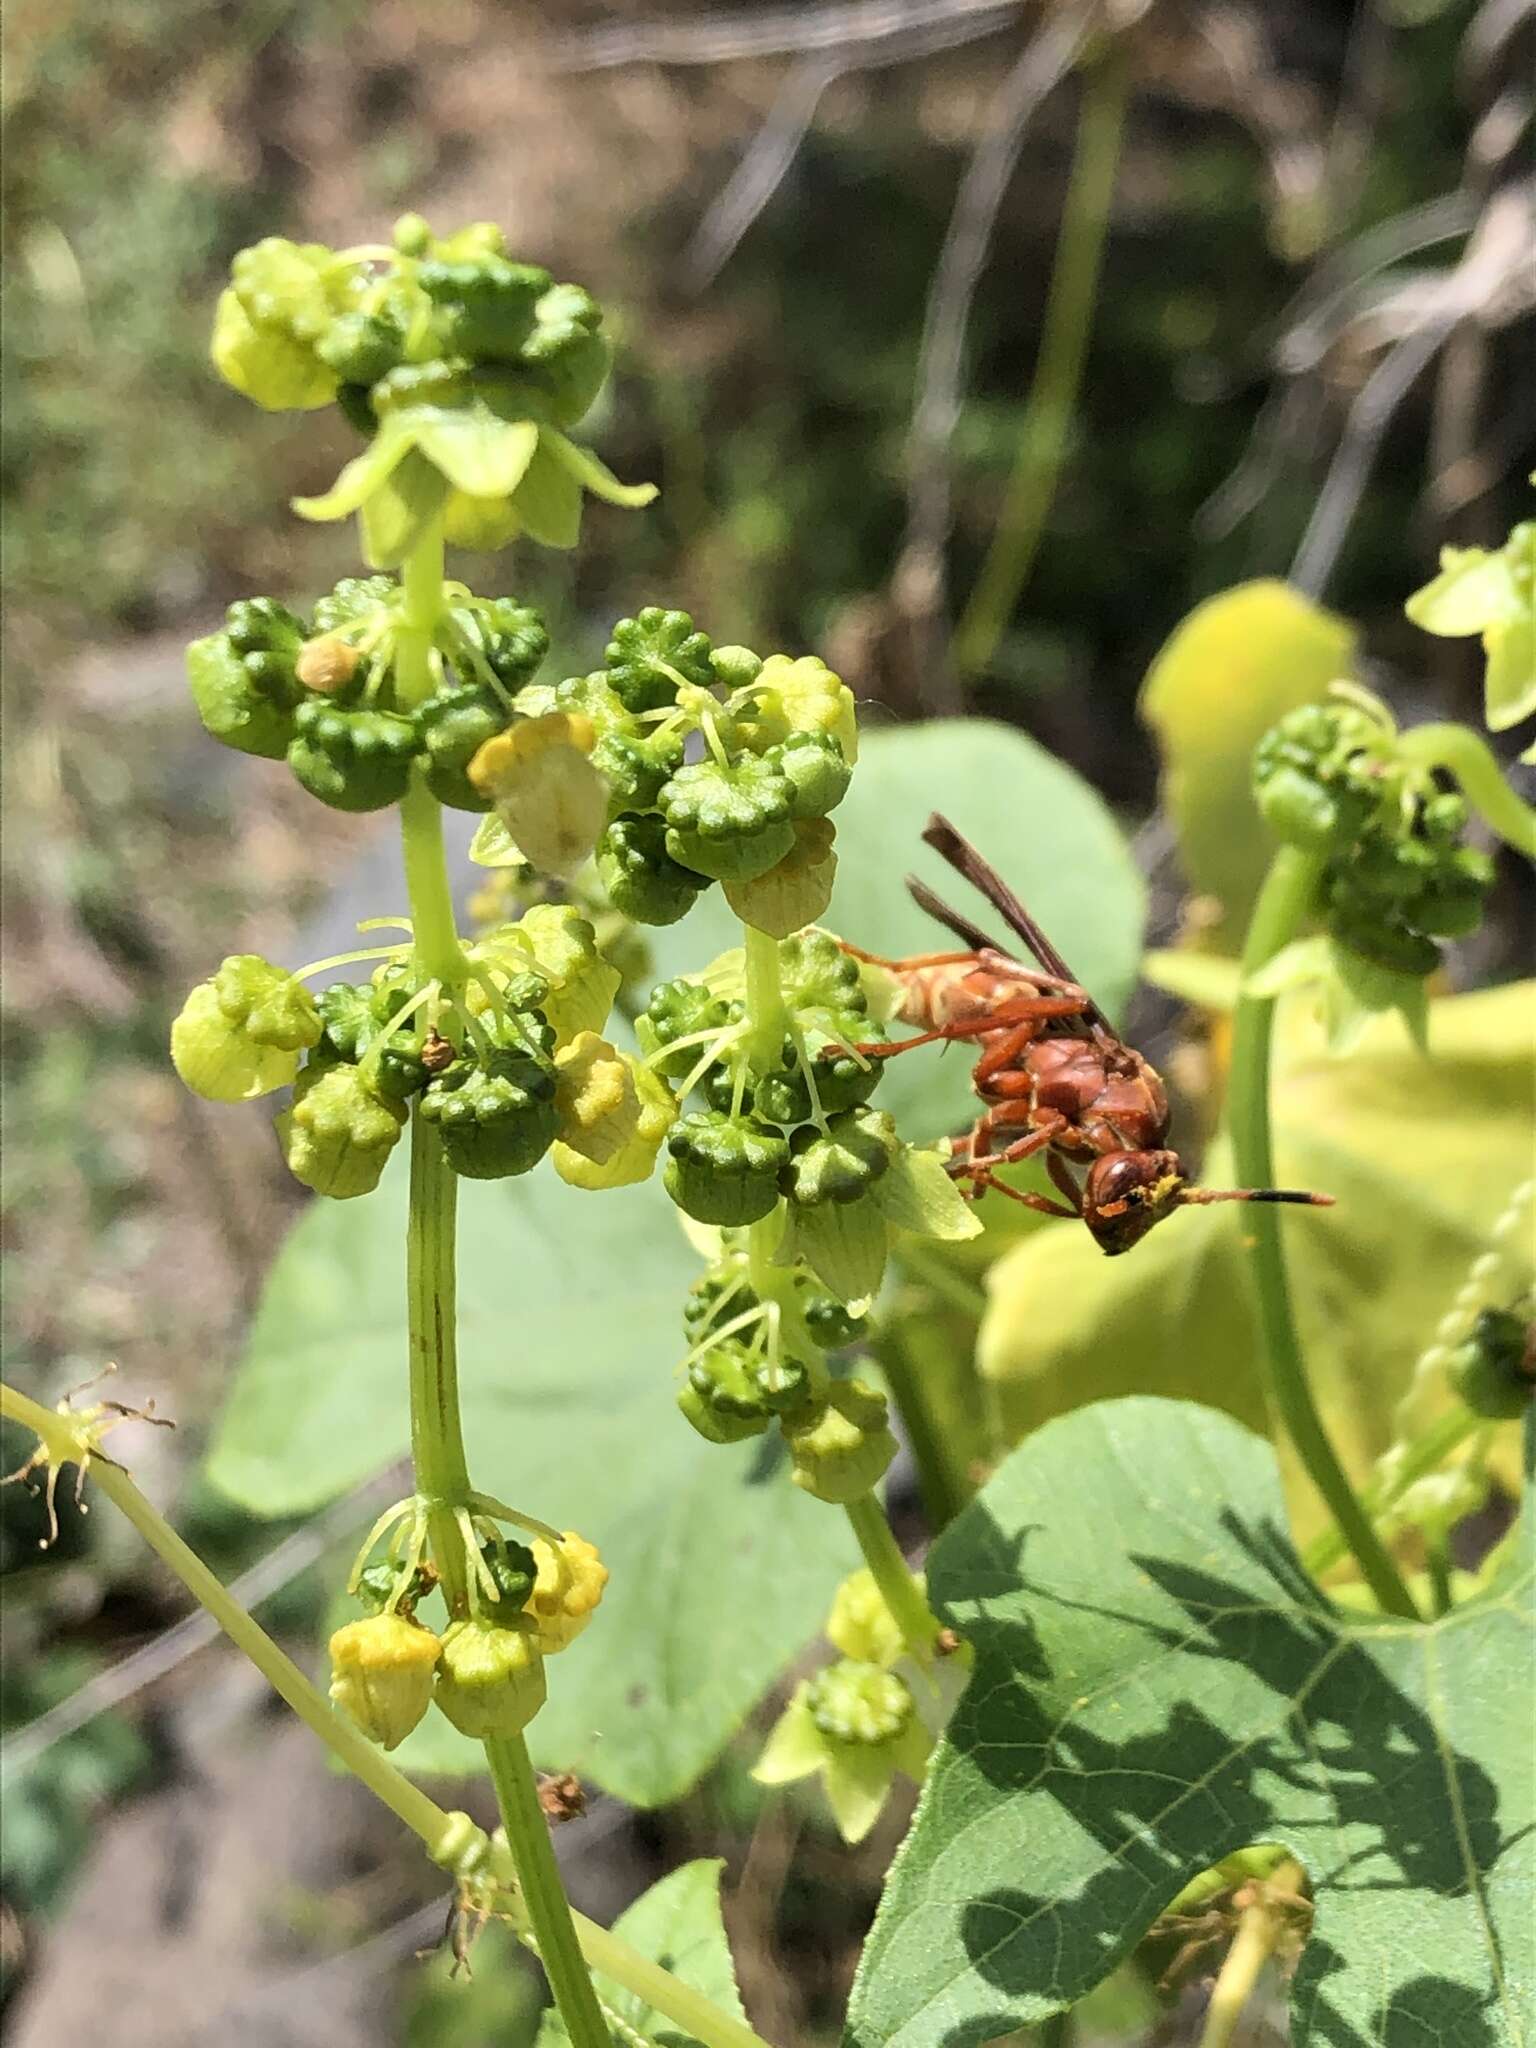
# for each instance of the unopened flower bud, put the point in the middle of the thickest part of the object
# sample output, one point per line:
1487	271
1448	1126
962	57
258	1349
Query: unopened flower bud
381	1674
843	1450
565	1594
491	1679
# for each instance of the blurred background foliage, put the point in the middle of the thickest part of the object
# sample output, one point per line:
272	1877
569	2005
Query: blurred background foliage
1303	360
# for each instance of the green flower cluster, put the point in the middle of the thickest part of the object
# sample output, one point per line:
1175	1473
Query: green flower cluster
774	742
855	1724
461	366
486	1671
1494	1369
322	693
486	1064
792	1121
752	1364
1398	875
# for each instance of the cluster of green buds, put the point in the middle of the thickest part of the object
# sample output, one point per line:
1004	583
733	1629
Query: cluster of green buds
485	1672
718	766
1397	875
856	1724
508	1066
798	1181
461	367
324	693
1493	1369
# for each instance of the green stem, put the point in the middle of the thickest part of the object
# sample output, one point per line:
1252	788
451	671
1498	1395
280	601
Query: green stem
1053	395
1282	907
64	1440
941	1479
767	1017
538	1876
898	1588
1464	754
437	1436
1430	1450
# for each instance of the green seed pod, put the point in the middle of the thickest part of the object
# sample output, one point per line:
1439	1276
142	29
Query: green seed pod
1494	1370
447	381
360	348
512	1567
648	654
216	1056
510	638
352	760
814	766
354	598
374	1588
273	1006
381	1675
1316	774
680	1009
830	1323
1298	808
233	708
817	975
800	696
860	1702
580	984
845	1161
702	1303
454	724
735	667
843	1449
636	769
565	357
1387	941
485	308
721	1398
495	1111
491	1679
730	823
641	879
723	1169
340	1131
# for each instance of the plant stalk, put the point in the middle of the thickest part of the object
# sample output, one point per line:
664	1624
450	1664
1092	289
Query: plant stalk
434	1828
437	1434
437	1437
538	1876
1283	904
1258	1934
899	1590
1051	406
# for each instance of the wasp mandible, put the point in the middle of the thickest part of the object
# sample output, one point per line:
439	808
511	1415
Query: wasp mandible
1052	1076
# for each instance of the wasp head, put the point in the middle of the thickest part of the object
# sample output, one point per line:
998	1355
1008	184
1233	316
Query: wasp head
1127	1192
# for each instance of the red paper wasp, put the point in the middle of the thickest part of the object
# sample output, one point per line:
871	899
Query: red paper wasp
1052	1075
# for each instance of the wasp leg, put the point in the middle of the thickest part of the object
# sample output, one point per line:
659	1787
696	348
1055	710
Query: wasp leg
1021	1148
1027	1199
910	963
1061	1173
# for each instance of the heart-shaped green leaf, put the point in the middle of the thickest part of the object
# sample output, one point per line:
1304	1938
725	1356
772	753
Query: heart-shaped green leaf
677	1924
1157	1685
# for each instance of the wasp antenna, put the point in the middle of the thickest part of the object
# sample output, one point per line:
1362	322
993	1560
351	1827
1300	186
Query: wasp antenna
1201	1196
